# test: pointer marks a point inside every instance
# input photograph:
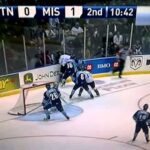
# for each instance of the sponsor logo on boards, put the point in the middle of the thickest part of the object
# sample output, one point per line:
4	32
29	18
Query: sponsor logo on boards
107	65
136	62
9	82
148	62
28	78
48	75
3	83
115	64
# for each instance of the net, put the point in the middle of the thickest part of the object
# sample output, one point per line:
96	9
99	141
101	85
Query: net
30	98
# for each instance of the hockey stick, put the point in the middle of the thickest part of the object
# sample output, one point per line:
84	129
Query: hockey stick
34	109
64	100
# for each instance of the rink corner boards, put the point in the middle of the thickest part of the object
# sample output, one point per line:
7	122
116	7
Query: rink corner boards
17	91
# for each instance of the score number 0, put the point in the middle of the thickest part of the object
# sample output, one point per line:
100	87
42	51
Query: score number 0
26	11
73	11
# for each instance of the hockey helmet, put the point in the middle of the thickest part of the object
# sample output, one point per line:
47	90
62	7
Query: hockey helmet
145	106
47	86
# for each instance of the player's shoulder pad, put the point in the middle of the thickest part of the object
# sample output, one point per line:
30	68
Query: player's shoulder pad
87	72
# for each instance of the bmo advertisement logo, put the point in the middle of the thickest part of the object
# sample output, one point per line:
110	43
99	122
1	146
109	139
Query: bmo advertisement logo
101	65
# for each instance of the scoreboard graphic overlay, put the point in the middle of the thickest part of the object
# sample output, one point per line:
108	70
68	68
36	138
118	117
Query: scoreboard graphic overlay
140	13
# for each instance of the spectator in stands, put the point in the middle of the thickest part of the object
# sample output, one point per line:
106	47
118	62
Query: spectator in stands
76	29
104	41
88	54
118	39
102	52
49	58
137	49
50	32
47	31
111	49
39	34
58	54
36	62
54	22
95	39
96	34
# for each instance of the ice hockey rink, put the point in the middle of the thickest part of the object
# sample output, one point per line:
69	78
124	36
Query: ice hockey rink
102	123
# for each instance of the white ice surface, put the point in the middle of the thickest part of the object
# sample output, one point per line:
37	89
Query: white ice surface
106	122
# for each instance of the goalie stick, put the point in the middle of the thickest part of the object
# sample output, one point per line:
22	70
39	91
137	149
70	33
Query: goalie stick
64	100
34	109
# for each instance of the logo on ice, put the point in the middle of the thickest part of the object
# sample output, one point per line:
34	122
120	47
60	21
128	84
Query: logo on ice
136	62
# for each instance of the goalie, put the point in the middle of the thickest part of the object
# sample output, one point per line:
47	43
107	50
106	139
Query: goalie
52	99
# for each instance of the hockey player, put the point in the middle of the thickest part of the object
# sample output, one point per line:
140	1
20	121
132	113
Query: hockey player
52	99
80	81
62	61
141	117
70	69
90	82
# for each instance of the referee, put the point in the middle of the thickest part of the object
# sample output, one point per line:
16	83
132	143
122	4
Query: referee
121	55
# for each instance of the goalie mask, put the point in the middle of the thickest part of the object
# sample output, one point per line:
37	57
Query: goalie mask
145	107
48	86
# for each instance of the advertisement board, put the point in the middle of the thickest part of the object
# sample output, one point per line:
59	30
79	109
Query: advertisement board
100	65
9	82
47	74
134	63
137	63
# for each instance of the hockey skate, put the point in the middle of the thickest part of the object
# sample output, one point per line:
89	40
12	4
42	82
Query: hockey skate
120	76
97	92
67	118
133	140
70	96
79	94
92	96
46	118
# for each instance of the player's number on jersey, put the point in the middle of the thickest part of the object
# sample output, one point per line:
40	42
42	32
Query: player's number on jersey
82	76
26	11
54	96
69	65
142	117
73	11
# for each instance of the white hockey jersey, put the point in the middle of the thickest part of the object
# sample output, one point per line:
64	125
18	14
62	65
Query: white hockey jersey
63	59
88	77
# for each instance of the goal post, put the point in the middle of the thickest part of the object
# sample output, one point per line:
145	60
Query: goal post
30	98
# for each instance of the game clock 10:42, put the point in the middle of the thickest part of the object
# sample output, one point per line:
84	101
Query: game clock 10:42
121	12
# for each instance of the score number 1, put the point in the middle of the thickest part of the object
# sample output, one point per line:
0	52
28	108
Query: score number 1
73	11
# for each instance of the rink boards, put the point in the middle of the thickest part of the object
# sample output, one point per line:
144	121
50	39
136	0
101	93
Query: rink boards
100	67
